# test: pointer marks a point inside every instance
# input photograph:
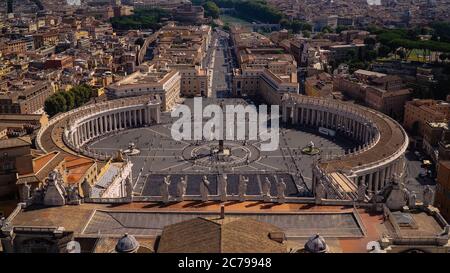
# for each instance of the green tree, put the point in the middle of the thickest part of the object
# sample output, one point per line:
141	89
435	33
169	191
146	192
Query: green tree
341	28
327	29
370	42
371	55
226	27
441	31
211	9
306	33
383	51
69	97
65	101
50	106
55	104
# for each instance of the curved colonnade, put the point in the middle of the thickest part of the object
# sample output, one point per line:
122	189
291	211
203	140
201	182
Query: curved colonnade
380	155
86	123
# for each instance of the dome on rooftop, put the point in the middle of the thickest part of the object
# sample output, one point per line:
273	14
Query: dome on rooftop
316	244
127	244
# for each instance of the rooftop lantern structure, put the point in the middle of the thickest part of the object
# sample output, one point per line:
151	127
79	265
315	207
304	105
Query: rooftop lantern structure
127	244
316	244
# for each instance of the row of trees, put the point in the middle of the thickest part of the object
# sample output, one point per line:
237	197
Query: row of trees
250	10
395	38
141	19
441	31
65	101
257	10
296	25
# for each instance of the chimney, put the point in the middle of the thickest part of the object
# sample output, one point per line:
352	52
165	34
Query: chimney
278	237
222	211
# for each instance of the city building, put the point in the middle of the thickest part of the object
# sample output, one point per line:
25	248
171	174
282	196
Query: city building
16	158
25	97
188	13
59	62
154	80
340	53
432	136
443	188
162	4
265	70
264	83
321	85
419	112
382	92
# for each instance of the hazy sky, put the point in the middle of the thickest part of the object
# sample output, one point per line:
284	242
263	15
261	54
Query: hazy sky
371	2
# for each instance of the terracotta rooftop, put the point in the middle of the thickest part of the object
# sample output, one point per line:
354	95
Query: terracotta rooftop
77	167
42	165
15	142
80	216
201	235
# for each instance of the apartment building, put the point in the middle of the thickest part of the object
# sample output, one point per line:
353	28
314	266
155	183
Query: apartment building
379	91
16	158
419	112
13	47
183	48
320	85
265	70
25	97
443	189
155	79
45	39
264	83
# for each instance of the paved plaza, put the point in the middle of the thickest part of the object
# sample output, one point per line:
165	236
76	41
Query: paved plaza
161	155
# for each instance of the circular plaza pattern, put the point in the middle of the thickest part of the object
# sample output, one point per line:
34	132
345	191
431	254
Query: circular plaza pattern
209	154
365	146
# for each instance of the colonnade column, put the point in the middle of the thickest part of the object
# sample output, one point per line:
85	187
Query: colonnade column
377	182
370	181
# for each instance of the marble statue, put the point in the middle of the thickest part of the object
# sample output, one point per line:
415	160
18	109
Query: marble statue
73	196
412	199
26	190
223	187
204	190
87	188
128	188
266	190
281	188
320	192
181	188
38	196
428	196
362	192
243	182
164	189
398	195
54	194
